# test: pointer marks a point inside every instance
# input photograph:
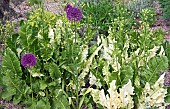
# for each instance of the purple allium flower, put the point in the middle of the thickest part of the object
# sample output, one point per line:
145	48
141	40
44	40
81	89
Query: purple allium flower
67	7
28	60
73	13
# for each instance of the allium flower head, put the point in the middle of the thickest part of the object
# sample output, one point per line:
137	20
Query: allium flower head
67	7
73	13
28	60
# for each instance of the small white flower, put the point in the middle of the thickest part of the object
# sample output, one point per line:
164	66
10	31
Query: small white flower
125	93
98	40
153	95
39	36
106	73
115	100
51	35
37	75
152	52
92	79
19	50
162	51
85	53
88	64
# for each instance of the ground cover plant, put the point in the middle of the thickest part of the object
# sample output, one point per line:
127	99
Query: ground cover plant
165	4
51	64
136	6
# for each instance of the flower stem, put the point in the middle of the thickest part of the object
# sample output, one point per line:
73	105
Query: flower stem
31	88
76	72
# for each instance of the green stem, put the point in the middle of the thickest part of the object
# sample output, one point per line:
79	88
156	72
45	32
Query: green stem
76	72
75	32
63	82
77	97
31	88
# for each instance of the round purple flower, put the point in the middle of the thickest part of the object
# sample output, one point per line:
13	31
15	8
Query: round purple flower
73	13
28	60
67	7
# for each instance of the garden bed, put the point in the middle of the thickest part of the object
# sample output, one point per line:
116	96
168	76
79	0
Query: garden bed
85	56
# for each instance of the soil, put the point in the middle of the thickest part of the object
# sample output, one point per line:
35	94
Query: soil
20	9
163	24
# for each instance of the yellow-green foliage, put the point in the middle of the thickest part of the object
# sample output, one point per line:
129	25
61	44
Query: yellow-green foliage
41	15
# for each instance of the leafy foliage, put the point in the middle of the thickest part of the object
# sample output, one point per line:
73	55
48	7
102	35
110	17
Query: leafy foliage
166	46
33	87
6	30
11	78
11	63
148	15
32	2
74	70
95	14
165	4
137	6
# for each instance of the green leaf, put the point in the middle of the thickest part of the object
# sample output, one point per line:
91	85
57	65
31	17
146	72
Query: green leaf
34	46
17	98
9	92
82	100
11	62
157	64
166	46
32	2
36	85
113	76
46	51
43	85
12	42
29	102
53	70
41	104
126	74
25	33
167	98
10	86
60	100
14	88
22	91
88	103
52	83
151	72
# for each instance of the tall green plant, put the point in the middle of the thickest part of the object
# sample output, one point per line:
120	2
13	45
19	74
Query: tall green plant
100	14
148	15
6	30
166	46
124	68
119	69
57	46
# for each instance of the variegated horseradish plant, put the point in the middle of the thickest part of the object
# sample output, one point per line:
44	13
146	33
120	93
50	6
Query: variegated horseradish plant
121	70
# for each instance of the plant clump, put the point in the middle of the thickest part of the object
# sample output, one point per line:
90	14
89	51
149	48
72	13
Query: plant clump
116	63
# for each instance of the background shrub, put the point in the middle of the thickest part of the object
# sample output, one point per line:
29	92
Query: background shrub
165	5
136	6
